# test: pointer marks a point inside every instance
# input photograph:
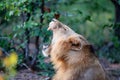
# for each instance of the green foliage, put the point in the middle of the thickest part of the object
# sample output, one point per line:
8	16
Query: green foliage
92	19
20	59
5	42
47	68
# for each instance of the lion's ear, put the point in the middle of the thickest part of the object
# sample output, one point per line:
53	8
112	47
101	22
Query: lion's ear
75	43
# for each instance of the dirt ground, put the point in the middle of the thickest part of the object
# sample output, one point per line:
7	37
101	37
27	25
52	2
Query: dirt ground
114	74
113	70
29	75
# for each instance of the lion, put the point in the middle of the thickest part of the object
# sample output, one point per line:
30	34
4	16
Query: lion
60	31
73	56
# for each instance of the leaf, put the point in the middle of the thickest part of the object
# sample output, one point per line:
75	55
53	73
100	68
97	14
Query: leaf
119	2
11	13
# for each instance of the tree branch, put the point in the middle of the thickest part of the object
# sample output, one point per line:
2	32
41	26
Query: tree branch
117	18
115	2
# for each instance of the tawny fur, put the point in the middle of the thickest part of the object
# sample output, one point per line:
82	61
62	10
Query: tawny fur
73	57
75	64
59	30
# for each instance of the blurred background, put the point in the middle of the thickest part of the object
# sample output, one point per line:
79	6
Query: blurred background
23	31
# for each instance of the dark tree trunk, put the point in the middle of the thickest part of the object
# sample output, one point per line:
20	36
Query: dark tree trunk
27	44
25	17
117	18
42	12
37	40
41	22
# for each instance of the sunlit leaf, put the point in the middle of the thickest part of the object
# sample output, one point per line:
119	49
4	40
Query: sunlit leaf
6	62
10	60
13	58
